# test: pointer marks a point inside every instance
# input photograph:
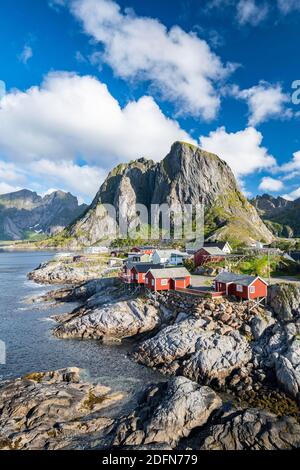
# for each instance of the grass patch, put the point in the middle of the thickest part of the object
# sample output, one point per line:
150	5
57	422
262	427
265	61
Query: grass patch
93	400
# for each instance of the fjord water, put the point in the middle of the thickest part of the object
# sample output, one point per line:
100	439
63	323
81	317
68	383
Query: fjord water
30	346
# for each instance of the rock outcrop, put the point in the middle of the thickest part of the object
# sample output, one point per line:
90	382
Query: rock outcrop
217	356
68	271
167	412
113	321
284	299
252	429
171	343
48	410
187	175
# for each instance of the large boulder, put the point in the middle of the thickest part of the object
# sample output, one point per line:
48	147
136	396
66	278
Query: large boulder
47	410
284	299
171	343
167	412
113	321
252	429
287	376
217	356
259	324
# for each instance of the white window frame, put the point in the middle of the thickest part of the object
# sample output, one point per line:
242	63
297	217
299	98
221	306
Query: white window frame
164	282
153	282
252	290
239	288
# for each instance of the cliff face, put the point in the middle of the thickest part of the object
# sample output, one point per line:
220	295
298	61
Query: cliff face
24	214
281	216
187	175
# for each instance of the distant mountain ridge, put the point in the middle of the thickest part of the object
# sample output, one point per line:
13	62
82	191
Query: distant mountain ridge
26	215
281	215
187	175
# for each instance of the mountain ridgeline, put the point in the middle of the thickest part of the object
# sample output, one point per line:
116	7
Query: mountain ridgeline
187	175
280	215
26	215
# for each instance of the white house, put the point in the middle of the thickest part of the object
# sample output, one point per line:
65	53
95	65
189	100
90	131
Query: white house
223	246
174	257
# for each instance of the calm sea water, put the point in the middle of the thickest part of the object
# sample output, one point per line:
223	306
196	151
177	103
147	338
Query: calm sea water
30	345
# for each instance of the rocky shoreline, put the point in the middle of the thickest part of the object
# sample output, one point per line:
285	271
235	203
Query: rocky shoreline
73	269
232	375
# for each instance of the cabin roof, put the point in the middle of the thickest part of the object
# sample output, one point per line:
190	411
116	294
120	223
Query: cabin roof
242	279
143	267
220	245
213	251
170	273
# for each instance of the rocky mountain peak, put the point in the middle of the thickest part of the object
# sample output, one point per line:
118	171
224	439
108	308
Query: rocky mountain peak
25	214
187	175
280	214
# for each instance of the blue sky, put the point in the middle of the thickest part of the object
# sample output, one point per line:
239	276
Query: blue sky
87	84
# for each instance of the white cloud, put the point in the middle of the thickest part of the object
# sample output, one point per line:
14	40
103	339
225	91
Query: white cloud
46	130
242	150
265	101
292	167
287	6
10	172
271	184
8	188
179	65
293	195
70	116
26	54
79	180
249	12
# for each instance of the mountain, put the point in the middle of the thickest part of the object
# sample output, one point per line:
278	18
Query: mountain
26	215
187	175
280	215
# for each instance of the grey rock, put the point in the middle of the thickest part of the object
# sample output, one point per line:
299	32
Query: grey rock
67	271
217	356
259	325
284	299
172	342
252	429
167	413
48	410
116	321
287	376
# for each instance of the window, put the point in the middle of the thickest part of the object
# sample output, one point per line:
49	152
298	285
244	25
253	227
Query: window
164	282
153	282
146	281
252	290
239	288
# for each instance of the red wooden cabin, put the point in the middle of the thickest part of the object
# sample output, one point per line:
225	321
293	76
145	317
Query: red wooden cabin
167	279
139	271
209	254
241	286
134	273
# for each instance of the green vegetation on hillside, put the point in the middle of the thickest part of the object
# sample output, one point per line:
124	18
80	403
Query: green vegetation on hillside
259	265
